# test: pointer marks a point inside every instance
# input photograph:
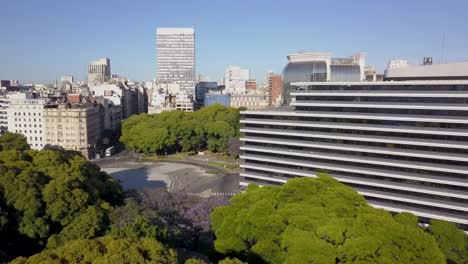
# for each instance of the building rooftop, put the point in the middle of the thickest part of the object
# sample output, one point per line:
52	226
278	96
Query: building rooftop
448	70
416	82
172	30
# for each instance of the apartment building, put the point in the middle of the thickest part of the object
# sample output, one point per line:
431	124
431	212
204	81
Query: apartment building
249	101
275	89
25	116
73	126
99	71
4	102
184	102
402	145
235	79
251	85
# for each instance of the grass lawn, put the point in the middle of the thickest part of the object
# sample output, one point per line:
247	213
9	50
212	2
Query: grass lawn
218	160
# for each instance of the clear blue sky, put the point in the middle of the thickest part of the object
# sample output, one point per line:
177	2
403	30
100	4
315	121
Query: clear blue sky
45	39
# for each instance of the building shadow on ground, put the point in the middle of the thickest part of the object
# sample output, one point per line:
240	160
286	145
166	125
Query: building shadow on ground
137	178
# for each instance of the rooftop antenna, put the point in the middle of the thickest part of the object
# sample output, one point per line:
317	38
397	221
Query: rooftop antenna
443	49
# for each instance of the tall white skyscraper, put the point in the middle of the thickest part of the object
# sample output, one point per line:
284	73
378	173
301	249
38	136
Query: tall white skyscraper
235	78
175	48
99	71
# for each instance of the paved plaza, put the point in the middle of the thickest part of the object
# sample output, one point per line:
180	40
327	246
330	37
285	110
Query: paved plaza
172	175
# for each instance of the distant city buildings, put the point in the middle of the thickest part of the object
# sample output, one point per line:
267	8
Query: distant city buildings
8	83
67	78
85	116
175	48
275	89
235	79
203	88
249	101
99	71
251	85
372	75
184	102
321	67
4	104
131	97
217	98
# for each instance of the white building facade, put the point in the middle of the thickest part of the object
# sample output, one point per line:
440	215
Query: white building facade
175	48
249	101
99	71
25	116
402	145
184	102
235	78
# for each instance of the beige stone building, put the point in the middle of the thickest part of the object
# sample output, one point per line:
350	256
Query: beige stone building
73	126
249	101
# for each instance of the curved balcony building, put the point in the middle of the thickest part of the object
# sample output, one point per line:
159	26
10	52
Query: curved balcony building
320	67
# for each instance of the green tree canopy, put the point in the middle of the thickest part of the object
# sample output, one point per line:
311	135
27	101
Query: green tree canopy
105	250
231	261
210	127
451	240
50	197
316	221
12	141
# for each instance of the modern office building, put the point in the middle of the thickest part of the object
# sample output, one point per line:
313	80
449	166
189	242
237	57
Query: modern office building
402	145
73	126
321	67
235	79
401	70
99	71
222	99
275	89
201	89
176	57
25	116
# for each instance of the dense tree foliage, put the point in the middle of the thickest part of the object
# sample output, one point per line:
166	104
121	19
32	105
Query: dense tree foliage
105	250
210	127
174	218
451	240
234	147
317	221
50	197
231	261
55	201
12	141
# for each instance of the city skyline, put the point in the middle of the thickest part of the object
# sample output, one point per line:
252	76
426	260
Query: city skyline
50	39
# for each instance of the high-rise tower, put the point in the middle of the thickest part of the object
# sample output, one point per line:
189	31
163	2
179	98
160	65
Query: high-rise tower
175	48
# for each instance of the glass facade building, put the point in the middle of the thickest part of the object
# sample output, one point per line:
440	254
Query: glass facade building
320	67
222	99
313	71
402	145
